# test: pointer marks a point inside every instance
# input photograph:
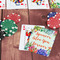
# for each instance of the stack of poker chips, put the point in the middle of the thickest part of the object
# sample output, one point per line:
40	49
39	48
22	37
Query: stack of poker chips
2	33
8	26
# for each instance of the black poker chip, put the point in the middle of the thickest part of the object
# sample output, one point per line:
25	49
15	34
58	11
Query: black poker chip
2	34
0	24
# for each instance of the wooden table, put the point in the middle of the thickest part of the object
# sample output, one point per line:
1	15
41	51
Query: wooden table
10	45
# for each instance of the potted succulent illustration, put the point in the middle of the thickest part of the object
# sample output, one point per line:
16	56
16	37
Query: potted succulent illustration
53	5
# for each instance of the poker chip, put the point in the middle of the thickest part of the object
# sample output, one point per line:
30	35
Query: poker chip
51	14
0	22
9	27
54	22
13	16
2	34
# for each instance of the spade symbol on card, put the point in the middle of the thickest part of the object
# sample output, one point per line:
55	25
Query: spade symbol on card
22	4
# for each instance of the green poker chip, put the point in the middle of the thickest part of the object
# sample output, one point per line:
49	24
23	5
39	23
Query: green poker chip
9	27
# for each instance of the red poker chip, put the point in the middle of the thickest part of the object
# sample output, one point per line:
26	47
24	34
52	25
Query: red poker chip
54	22
15	17
4	18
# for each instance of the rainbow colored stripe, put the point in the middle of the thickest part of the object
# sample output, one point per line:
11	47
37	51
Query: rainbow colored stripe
38	1
17	1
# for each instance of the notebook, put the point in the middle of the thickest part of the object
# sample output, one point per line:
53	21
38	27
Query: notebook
40	40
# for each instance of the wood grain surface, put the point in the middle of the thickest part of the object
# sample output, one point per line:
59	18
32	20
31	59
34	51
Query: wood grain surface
10	45
39	17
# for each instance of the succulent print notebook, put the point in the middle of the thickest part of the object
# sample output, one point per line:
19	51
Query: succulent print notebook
55	3
40	40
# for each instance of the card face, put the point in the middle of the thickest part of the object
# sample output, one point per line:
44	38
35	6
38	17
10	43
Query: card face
24	37
38	4
16	4
2	4
55	3
41	40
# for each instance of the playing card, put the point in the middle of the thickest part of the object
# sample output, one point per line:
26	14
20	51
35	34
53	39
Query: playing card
38	4
16	4
2	4
23	37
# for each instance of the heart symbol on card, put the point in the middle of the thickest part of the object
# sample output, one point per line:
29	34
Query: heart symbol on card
0	6
0	2
23	27
47	5
22	4
43	4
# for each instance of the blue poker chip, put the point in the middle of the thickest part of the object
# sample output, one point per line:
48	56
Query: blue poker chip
51	14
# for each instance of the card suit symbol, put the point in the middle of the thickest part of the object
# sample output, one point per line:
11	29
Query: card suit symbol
3	4
47	5
0	6
43	4
0	2
25	4
23	27
22	4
